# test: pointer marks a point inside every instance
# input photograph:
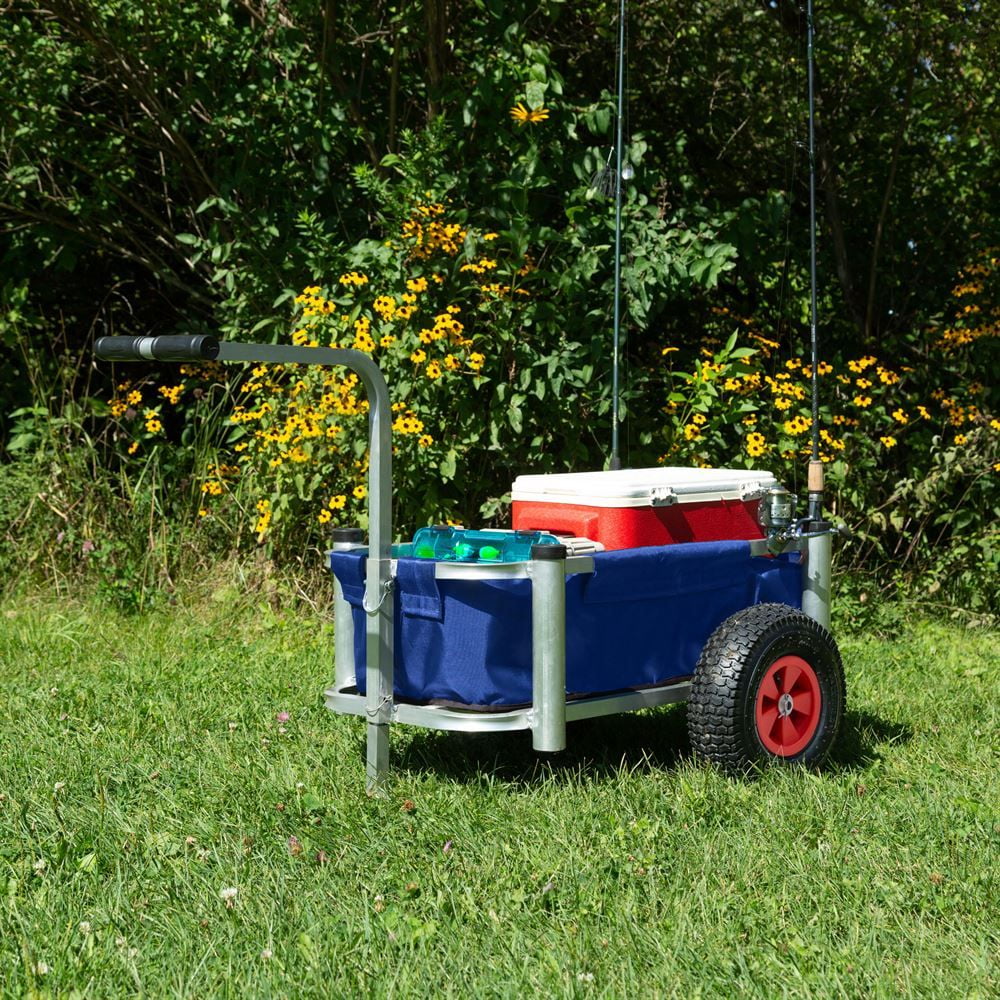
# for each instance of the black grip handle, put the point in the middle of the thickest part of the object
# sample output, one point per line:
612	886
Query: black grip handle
191	347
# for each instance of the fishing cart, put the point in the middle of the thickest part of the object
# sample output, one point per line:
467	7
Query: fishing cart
614	591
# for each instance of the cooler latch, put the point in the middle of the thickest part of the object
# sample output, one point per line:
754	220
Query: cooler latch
662	496
752	491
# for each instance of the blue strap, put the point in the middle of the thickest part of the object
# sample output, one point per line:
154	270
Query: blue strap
418	590
349	568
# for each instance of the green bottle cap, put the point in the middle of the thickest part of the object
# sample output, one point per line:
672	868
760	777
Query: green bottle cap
489	552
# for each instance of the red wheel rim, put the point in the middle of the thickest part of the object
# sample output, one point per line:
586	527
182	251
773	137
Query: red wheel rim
788	706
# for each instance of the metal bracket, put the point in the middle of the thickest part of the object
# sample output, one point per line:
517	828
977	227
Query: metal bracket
387	586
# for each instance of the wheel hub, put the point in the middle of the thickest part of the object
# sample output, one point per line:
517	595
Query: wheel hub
788	706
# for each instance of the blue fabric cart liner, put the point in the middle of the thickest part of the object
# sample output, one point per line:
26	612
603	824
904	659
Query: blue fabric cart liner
639	620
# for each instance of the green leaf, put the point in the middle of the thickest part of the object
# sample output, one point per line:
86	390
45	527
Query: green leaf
448	464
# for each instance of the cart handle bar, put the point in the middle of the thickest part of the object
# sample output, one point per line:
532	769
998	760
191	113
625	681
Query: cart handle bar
202	347
197	347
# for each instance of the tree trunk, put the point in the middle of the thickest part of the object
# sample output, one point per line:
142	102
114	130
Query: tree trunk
436	17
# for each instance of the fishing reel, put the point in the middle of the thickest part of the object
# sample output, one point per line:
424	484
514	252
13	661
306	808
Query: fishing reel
781	526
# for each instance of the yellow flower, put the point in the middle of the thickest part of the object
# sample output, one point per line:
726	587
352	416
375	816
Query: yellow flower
418	357
118	408
424	440
783	403
433	370
960	439
862	401
528	116
417	284
134	397
691	431
153	425
888	440
669	350
699	418
477	360
363	340
133	447
172	393
354	278
323	516
359	492
863	383
385	306
922	410
755	444
900	416
338	502
797	425
995	424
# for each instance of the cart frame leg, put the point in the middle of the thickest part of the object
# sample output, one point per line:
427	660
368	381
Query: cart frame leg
548	647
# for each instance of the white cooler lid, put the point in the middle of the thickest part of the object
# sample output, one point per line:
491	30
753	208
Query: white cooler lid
658	487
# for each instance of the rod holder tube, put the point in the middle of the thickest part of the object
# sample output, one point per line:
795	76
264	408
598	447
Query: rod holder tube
344	540
817	574
548	647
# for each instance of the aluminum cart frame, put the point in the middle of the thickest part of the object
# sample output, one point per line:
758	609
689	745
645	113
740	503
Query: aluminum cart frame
550	710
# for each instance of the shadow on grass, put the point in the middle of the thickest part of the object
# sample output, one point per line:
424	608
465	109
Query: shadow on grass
864	739
599	749
595	748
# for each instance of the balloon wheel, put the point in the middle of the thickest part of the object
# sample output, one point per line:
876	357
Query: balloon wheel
788	706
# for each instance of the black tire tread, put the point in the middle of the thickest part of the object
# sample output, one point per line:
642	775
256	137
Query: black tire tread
720	678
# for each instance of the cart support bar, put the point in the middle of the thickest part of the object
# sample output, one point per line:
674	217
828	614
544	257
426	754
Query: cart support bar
548	647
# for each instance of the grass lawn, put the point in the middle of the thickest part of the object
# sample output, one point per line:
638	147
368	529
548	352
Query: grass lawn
146	767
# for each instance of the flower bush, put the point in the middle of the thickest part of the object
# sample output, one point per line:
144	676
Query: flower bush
912	451
426	305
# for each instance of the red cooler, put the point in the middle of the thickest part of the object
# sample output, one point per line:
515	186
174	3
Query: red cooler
631	508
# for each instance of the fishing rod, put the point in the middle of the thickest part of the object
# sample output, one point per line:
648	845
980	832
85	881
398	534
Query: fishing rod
615	462
815	476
